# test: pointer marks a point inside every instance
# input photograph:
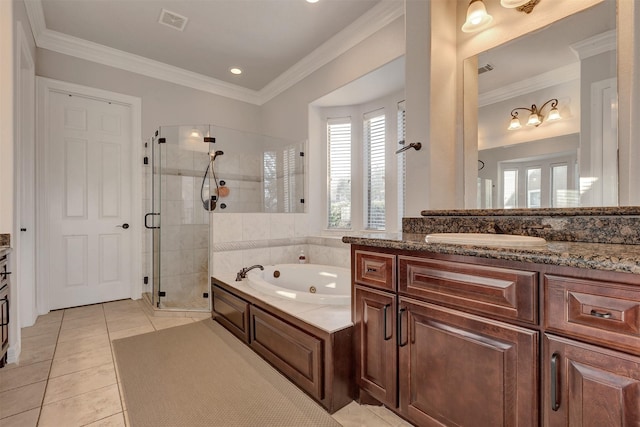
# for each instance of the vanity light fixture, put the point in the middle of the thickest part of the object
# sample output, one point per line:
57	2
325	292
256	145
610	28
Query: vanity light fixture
525	6
477	17
535	117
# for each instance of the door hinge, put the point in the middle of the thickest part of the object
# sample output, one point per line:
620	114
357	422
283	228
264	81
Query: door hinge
301	200
145	160
162	140
162	294
145	280
205	295
302	154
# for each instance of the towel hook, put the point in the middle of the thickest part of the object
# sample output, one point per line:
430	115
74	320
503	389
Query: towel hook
416	145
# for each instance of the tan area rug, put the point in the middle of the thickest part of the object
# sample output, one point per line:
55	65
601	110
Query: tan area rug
201	375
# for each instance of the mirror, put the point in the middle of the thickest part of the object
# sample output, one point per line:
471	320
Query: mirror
568	162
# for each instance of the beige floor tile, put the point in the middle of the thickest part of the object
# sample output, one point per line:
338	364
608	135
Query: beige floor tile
81	333
131	332
128	322
127	423
69	348
21	399
86	322
86	312
169	322
82	409
388	415
116	420
79	382
52	316
50	328
23	375
354	415
40	340
30	355
24	419
80	361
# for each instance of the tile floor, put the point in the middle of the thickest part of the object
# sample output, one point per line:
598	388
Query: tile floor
67	377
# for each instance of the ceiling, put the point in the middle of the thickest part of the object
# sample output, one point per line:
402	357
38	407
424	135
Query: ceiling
267	39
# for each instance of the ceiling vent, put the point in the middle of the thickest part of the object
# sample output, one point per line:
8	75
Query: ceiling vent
173	20
485	68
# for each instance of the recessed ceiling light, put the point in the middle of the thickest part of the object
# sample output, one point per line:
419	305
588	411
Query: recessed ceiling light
235	70
312	1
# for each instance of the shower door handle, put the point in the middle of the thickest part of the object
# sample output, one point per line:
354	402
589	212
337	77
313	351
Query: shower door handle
145	220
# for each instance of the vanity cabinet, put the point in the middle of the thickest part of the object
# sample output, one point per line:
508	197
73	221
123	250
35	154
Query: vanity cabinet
435	364
317	361
452	340
595	382
587	385
4	309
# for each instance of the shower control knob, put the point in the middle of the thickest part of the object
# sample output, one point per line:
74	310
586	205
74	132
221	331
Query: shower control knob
125	225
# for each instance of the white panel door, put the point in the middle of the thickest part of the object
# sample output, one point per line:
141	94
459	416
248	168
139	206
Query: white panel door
89	184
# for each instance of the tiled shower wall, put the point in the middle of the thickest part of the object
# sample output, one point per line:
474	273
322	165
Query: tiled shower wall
241	240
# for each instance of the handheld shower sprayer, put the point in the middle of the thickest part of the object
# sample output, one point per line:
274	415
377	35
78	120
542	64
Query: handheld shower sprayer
211	202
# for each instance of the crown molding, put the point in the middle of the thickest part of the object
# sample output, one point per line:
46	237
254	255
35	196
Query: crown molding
596	45
379	16
551	78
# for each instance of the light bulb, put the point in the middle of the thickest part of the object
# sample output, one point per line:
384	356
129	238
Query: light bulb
554	114
534	120
514	124
477	17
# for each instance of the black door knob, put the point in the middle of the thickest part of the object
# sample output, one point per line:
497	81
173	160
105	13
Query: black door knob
125	225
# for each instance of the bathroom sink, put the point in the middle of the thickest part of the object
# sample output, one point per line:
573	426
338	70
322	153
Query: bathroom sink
486	239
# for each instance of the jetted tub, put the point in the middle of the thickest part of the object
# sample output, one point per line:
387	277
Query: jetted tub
310	283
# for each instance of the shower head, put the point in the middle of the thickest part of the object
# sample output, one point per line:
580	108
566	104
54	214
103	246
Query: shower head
216	154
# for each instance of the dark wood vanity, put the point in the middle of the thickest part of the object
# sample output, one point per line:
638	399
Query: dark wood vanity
470	341
317	361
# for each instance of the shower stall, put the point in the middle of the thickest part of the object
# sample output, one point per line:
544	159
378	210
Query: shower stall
176	220
194	172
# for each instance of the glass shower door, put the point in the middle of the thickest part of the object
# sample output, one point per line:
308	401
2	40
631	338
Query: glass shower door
181	243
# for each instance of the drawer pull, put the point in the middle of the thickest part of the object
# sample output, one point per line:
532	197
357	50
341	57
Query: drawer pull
606	315
399	326
371	270
384	315
555	404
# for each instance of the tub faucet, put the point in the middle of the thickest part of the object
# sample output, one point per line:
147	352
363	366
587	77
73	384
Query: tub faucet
243	273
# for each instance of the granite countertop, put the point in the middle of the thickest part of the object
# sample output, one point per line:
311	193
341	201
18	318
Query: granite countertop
596	256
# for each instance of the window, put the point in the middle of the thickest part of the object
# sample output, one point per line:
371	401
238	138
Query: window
374	148
339	172
540	183
402	164
270	181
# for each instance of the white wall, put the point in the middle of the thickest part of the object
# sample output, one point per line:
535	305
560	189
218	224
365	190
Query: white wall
287	115
163	103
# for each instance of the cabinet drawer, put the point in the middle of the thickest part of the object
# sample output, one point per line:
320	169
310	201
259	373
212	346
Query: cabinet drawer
501	292
376	269
232	312
294	352
601	312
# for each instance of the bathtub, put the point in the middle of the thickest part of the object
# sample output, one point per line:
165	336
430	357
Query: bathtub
310	283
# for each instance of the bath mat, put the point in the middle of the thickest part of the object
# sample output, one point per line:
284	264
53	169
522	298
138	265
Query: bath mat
201	375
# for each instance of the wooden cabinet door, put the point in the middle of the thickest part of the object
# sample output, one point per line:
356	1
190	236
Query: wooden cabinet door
376	351
586	385
458	369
